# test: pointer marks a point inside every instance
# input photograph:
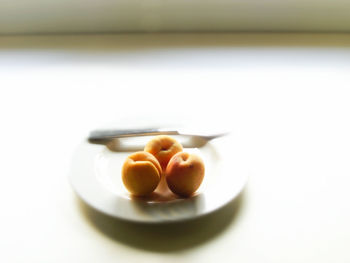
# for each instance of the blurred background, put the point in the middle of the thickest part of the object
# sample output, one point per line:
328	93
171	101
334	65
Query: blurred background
77	16
275	72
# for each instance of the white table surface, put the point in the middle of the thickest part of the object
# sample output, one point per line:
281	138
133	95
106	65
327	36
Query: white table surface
287	96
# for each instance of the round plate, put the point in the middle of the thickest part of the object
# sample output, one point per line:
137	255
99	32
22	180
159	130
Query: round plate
96	178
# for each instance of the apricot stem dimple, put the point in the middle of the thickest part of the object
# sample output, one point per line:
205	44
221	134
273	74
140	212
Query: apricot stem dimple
185	157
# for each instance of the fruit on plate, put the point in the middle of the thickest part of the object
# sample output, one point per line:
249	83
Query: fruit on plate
141	173
163	147
184	173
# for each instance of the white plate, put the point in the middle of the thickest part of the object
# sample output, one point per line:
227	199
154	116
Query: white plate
96	178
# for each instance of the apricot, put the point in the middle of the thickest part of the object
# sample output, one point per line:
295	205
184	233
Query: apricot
141	173
184	173
163	147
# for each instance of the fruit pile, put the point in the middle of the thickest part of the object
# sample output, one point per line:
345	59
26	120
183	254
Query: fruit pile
163	156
